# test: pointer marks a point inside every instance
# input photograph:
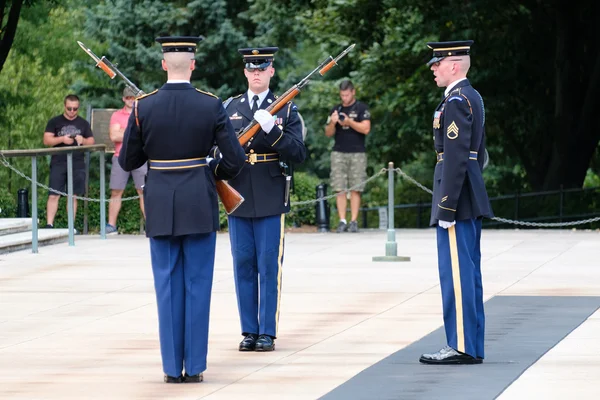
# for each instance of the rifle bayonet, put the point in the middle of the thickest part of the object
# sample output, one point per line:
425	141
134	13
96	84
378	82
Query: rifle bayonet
111	69
335	60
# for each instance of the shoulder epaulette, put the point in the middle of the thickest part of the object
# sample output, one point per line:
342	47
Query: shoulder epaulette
229	100
146	95
458	96
207	93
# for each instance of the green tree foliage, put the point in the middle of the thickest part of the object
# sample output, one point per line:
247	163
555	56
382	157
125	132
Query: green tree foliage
129	29
33	83
535	63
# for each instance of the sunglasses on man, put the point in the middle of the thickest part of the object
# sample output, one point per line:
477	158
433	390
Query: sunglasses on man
72	108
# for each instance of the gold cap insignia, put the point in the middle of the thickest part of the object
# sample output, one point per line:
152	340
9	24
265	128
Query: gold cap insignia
255	52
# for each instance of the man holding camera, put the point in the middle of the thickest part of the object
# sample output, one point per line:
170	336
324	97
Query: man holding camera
350	122
67	129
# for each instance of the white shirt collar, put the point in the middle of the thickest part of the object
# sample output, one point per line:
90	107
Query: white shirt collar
451	86
261	97
177	81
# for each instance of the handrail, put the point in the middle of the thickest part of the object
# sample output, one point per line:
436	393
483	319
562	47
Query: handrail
69	150
51	150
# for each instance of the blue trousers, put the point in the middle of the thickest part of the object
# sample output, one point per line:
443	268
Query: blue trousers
459	260
257	248
183	274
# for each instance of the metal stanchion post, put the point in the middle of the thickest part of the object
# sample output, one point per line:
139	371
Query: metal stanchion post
391	247
34	209
22	203
102	196
70	213
322	209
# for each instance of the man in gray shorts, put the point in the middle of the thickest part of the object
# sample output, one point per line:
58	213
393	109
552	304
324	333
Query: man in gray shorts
350	122
119	177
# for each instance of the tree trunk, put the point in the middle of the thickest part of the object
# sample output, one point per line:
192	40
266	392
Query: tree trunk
577	77
7	36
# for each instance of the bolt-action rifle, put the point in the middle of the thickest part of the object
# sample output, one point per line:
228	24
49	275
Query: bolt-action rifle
254	127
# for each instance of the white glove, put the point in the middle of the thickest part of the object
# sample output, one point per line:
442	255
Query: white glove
209	159
265	120
446	224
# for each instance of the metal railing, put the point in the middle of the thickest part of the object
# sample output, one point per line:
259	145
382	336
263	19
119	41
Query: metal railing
34	154
422	209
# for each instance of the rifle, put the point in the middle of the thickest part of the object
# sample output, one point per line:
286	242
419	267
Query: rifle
230	197
253	128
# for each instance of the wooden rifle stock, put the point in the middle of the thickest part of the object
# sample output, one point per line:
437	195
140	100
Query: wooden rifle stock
230	197
102	65
326	68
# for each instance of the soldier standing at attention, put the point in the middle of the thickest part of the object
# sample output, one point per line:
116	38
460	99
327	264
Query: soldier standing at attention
459	202
256	228
173	128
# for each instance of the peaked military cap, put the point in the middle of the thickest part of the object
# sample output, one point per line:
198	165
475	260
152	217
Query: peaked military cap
182	44
258	57
442	50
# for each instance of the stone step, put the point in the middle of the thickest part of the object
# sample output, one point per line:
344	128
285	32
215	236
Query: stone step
9	226
22	240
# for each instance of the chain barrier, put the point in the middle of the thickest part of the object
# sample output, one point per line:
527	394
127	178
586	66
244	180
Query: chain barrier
397	170
412	180
5	162
331	196
505	220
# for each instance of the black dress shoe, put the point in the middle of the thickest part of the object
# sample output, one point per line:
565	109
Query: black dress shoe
449	356
249	342
172	379
193	378
265	343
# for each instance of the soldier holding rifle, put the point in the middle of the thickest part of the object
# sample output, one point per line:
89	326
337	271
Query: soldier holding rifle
256	228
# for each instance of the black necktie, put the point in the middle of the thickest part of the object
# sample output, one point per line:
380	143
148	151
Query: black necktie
254	104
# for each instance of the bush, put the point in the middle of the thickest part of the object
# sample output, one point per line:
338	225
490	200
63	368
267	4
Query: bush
304	189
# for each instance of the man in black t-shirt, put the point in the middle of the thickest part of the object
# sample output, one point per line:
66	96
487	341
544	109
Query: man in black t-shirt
67	129
350	122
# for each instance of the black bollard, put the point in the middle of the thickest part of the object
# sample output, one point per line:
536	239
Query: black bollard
322	209
22	203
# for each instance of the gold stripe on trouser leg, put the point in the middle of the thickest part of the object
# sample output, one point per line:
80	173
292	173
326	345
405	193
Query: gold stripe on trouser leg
460	330
279	270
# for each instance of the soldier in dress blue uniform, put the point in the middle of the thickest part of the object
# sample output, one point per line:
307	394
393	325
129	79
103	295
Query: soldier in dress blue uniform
256	228
459	202
173	128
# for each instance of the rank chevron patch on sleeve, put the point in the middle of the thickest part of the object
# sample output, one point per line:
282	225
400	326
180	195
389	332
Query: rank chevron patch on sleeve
452	131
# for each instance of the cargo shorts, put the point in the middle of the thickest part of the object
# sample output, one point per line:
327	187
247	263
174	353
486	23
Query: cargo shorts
348	170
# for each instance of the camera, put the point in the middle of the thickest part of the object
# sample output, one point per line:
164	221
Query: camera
342	117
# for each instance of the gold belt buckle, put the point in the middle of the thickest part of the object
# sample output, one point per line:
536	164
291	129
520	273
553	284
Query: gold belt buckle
252	158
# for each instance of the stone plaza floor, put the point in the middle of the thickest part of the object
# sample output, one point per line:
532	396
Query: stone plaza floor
80	322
